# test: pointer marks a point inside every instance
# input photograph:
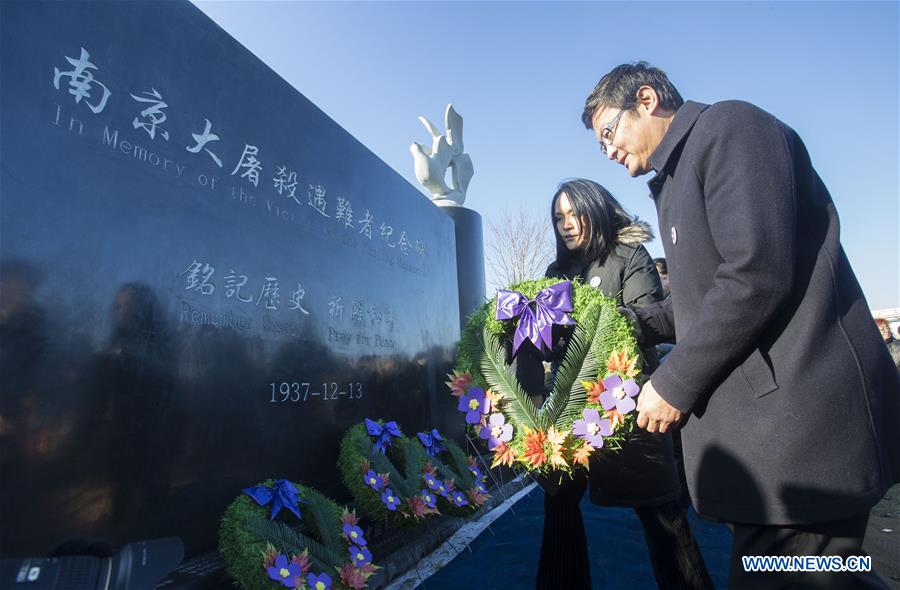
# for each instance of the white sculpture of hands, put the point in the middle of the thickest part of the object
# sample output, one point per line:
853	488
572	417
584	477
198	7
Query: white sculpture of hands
446	152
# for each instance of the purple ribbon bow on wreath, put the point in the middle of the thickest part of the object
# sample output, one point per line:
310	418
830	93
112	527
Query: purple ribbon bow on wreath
551	305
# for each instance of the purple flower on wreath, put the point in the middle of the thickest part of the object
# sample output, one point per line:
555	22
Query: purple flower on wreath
480	488
458	498
429	499
355	534
433	442
476	472
444	489
591	428
432	482
389	499
284	572
384	433
373	480
475	404
497	431
619	394
360	556
320	582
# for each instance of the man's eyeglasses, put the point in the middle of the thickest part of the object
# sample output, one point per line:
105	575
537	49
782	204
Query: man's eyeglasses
609	132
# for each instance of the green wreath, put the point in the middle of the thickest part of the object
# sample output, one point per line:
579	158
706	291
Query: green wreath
283	551
402	483
589	409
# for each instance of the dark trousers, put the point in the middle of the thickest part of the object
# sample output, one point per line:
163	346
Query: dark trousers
564	554
674	554
837	537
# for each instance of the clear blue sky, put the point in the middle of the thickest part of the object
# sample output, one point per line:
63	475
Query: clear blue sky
518	72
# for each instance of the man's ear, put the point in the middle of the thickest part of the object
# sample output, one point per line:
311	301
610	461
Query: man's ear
648	100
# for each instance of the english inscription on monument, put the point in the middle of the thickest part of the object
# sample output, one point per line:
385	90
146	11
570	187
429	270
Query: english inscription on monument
204	280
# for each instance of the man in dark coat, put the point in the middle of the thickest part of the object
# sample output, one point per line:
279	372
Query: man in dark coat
791	399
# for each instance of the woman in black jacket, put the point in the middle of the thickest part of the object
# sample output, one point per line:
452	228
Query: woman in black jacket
597	240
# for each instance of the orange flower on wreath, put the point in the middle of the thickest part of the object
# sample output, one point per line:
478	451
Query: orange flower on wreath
534	448
620	363
459	383
583	454
594	389
269	555
476	497
493	398
615	417
556	440
503	455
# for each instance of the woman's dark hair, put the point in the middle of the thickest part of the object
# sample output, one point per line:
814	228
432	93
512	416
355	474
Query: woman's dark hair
600	215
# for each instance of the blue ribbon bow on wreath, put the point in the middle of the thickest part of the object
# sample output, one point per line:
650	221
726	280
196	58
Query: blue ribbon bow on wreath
282	494
550	307
383	434
433	442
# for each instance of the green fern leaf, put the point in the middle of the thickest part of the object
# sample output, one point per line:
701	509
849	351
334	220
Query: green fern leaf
601	346
398	481
605	340
416	457
505	384
325	521
290	541
460	464
567	390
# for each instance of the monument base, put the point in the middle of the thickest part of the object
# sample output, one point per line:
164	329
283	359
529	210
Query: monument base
469	259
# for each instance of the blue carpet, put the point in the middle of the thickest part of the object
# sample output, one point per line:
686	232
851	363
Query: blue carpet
505	556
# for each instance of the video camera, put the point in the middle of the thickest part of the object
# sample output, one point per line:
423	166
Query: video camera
138	566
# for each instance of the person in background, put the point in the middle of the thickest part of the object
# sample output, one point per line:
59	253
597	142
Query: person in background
663	271
663	348
892	344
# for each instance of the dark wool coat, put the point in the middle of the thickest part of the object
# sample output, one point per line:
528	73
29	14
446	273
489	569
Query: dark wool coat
794	399
643	473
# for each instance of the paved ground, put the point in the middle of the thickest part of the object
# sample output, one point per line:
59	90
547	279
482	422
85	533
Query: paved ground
505	556
883	538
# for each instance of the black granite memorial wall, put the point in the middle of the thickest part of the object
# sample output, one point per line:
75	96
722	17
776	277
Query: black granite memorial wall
204	280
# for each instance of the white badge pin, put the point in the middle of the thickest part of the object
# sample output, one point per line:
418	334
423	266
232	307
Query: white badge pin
595	282
674	235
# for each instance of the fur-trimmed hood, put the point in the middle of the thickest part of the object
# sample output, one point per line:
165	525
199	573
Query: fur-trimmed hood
637	232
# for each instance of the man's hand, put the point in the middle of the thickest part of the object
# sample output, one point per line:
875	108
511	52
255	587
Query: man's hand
654	413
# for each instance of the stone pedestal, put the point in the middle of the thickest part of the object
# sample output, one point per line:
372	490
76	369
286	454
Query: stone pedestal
469	260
